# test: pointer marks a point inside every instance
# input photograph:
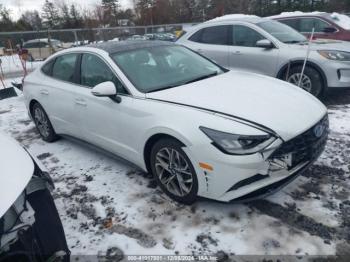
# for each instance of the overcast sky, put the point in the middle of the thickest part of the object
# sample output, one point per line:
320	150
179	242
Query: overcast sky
19	6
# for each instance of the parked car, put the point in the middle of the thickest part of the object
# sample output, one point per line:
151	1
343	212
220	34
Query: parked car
40	49
200	129
271	48
137	37
30	227
326	26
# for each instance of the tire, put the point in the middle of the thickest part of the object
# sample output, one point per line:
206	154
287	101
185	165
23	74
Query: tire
43	124
312	79
169	174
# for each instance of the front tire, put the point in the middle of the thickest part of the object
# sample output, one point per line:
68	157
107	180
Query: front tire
311	82
173	171
43	124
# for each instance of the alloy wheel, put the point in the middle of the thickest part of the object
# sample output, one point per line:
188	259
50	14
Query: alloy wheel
174	172
41	122
305	82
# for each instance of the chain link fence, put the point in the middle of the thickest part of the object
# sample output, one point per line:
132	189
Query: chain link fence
43	43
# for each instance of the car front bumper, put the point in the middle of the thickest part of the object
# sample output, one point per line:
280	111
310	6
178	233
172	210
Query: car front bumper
244	178
337	74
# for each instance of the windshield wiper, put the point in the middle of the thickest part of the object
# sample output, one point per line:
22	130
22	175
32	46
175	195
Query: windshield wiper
202	77
163	88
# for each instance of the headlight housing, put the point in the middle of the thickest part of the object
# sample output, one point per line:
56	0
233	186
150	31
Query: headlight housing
335	55
234	144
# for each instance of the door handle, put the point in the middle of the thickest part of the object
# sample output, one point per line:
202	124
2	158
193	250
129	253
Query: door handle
199	50
80	102
44	92
237	53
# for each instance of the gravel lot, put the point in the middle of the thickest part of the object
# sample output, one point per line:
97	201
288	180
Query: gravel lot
107	206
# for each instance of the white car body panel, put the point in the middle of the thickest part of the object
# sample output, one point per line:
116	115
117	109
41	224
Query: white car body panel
17	169
124	128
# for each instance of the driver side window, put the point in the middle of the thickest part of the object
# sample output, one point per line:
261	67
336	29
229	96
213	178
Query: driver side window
245	36
95	71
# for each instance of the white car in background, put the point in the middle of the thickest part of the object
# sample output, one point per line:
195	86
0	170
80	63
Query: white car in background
264	46
200	129
40	49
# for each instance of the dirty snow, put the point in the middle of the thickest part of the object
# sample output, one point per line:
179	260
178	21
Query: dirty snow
108	206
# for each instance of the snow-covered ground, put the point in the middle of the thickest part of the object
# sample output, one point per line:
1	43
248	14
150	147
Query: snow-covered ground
12	67
106	204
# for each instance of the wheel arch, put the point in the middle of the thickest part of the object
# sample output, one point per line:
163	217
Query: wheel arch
31	104
151	141
311	64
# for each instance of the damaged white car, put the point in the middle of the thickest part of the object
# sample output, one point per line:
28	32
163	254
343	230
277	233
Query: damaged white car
200	129
30	227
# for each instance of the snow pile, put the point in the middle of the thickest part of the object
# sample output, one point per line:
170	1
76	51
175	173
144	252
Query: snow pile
341	20
295	13
232	17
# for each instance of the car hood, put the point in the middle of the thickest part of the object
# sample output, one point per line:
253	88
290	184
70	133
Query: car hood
17	168
275	104
325	44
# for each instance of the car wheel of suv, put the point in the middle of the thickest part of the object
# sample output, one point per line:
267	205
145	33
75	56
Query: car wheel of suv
173	171
43	123
311	80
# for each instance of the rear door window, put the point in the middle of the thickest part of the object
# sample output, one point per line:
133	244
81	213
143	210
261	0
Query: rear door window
215	35
293	23
64	67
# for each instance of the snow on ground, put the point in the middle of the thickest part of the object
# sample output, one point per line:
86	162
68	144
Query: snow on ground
105	203
12	67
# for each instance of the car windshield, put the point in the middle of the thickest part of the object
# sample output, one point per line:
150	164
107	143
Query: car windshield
282	32
162	67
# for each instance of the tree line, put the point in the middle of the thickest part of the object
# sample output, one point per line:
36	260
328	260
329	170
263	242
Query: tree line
60	15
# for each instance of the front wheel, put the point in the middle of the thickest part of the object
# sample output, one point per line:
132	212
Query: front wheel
173	171
311	81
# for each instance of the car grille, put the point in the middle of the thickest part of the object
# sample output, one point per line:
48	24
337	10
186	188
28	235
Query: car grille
307	146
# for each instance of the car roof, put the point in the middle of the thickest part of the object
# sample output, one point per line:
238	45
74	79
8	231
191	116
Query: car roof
236	17
128	45
40	40
300	14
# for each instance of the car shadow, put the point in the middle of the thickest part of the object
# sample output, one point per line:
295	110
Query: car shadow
341	97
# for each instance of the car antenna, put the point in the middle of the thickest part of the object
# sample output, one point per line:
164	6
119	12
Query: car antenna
307	55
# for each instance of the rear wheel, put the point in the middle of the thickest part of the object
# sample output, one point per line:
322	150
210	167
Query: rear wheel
311	81
173	171
43	124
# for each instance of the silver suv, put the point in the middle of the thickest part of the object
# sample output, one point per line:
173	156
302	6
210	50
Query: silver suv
271	48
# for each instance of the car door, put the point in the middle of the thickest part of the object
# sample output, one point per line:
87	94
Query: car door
212	42
103	120
57	92
245	55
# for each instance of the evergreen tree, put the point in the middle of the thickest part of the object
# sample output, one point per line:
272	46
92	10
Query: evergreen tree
50	15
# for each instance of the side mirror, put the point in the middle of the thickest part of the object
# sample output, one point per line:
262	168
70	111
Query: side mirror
265	43
106	89
329	29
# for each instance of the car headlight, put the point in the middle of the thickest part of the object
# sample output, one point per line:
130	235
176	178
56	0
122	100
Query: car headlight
335	55
238	144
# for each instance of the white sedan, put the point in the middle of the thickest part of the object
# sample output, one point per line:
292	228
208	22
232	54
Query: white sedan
200	129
